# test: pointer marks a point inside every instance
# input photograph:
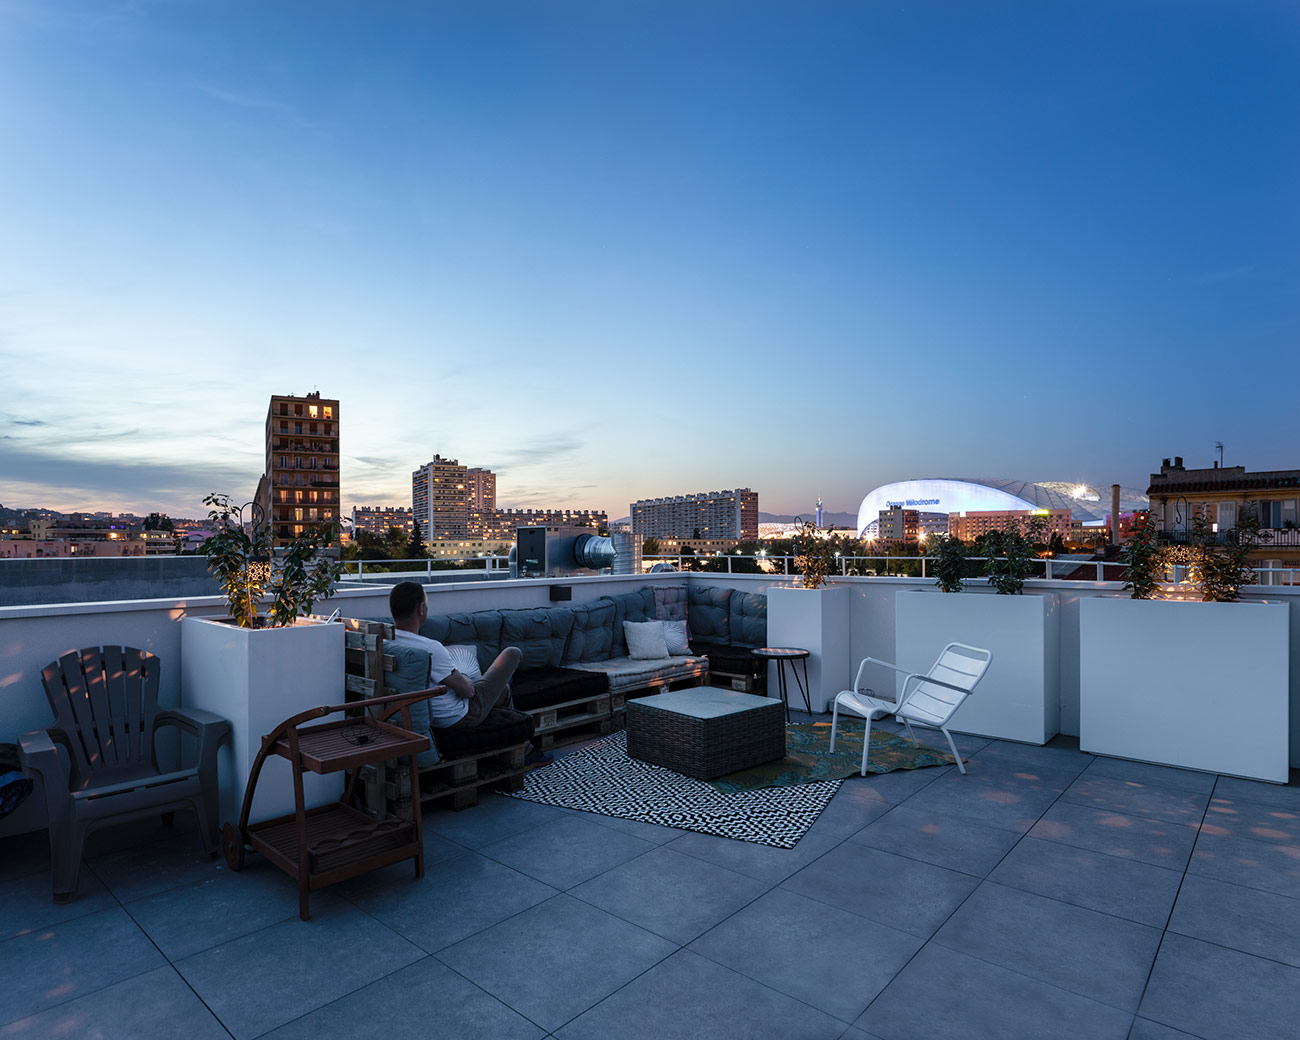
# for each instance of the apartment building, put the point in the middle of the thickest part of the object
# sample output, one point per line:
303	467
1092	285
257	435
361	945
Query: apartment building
300	485
377	520
723	516
440	500
973	523
482	487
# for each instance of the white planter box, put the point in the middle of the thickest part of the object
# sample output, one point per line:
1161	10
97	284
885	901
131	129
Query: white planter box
1019	697
816	620
257	678
1197	685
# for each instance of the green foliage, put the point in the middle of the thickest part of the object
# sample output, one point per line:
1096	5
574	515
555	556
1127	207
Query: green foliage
1147	560
814	555
1221	562
158	522
244	564
948	556
1010	555
415	547
650	547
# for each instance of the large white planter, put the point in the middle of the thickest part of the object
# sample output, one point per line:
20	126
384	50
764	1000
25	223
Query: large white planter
1019	697
1198	685
816	620
257	678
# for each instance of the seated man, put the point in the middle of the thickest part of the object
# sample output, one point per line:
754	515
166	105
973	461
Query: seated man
465	703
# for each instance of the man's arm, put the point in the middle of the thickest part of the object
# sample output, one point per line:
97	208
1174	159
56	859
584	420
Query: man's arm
458	684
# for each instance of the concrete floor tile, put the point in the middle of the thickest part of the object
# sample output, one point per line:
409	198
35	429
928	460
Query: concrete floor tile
156	1005
421	1001
1240	818
832	959
567	852
902	893
1246	919
1145	772
1211	991
190	918
143	869
503	959
1266	865
27	902
761	862
452	901
54	965
263	980
1083	951
946	841
688	996
943	993
671	894
1138	798
494	818
1121	887
1118	834
1281	796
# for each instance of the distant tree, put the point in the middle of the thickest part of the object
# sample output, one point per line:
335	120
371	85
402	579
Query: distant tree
158	522
650	547
415	548
395	542
1056	544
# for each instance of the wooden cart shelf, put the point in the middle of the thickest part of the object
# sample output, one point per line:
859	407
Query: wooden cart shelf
330	843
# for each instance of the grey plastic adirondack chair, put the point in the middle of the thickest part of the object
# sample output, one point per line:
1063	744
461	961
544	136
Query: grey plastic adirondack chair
97	763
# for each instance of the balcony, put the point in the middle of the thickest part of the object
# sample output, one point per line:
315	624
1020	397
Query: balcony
1046	893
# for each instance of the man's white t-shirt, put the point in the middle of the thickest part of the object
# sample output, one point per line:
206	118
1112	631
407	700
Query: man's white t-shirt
446	708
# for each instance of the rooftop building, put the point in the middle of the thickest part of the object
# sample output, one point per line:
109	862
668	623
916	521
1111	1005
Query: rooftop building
709	515
300	485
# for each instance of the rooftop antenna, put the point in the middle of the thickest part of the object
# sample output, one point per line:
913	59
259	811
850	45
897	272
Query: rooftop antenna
1219	445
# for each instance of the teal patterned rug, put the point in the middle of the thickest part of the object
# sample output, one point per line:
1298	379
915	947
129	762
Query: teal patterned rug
808	758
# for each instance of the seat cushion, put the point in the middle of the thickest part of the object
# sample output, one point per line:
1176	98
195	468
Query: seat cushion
411	673
630	606
748	619
670	602
627	675
482	628
737	660
542	687
592	636
710	614
540	634
501	729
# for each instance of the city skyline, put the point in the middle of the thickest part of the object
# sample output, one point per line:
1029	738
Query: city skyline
613	252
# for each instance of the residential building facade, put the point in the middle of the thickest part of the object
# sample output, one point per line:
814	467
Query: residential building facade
899	525
377	520
440	500
300	485
500	524
973	523
721	516
482	488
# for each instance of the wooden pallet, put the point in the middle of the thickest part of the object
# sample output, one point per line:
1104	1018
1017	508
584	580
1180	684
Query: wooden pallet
737	681
558	724
454	782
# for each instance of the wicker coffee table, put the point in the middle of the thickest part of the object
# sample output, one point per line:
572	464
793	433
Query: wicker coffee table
706	731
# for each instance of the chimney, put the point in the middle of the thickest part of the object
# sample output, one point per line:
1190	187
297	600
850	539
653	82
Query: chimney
1114	514
1216	463
1164	464
1178	462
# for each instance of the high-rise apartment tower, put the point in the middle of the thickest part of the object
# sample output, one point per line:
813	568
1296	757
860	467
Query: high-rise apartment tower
708	515
300	486
440	500
482	487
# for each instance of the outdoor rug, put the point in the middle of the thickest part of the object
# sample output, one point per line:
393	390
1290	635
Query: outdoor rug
808	758
601	778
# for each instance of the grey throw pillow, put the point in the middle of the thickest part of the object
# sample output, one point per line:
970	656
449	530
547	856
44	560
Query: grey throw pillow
645	640
676	638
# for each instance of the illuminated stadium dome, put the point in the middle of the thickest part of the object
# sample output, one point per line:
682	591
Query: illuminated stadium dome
943	495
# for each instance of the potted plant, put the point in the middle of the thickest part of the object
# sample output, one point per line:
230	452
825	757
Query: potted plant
813	616
1157	668
1020	698
266	660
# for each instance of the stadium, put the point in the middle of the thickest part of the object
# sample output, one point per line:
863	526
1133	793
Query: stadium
935	497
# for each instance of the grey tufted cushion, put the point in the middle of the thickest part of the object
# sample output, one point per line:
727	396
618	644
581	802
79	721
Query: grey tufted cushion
411	673
748	619
710	614
482	628
631	606
540	634
670	603
592	638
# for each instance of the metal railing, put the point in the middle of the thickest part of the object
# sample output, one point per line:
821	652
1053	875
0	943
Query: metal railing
488	565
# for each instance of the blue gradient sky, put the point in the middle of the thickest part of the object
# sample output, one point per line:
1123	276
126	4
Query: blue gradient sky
617	250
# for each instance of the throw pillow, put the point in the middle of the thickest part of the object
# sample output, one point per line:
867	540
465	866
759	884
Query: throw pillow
676	638
645	640
465	657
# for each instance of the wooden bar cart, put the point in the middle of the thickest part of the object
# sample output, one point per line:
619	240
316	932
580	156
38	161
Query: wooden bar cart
333	842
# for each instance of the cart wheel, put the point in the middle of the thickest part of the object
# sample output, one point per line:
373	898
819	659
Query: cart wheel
232	846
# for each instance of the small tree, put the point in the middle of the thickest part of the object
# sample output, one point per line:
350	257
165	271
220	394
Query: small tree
949	562
650	547
814	555
1010	555
415	548
1146	559
1221	563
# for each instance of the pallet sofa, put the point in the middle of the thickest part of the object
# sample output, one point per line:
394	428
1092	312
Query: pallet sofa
574	679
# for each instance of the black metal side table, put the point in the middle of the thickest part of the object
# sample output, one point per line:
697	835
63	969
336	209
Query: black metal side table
780	655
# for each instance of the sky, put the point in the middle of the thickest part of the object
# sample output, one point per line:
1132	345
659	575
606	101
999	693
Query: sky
619	250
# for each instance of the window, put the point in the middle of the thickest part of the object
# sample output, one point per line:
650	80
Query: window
297	427
297	410
329	412
313	427
297	515
284	461
284	408
312	410
298	496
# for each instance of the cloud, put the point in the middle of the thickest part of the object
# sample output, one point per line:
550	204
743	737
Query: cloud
238	100
29	422
542	451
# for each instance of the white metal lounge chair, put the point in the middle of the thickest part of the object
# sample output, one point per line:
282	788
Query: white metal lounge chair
928	699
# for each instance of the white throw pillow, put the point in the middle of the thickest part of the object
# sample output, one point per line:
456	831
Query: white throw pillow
675	637
465	658
645	640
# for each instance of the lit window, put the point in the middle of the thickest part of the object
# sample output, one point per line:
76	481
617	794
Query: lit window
311	410
329	412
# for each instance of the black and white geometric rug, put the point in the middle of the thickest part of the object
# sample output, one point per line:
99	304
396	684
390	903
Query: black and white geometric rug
601	778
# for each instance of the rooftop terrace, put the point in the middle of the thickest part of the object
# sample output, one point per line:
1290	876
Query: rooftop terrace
1048	893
